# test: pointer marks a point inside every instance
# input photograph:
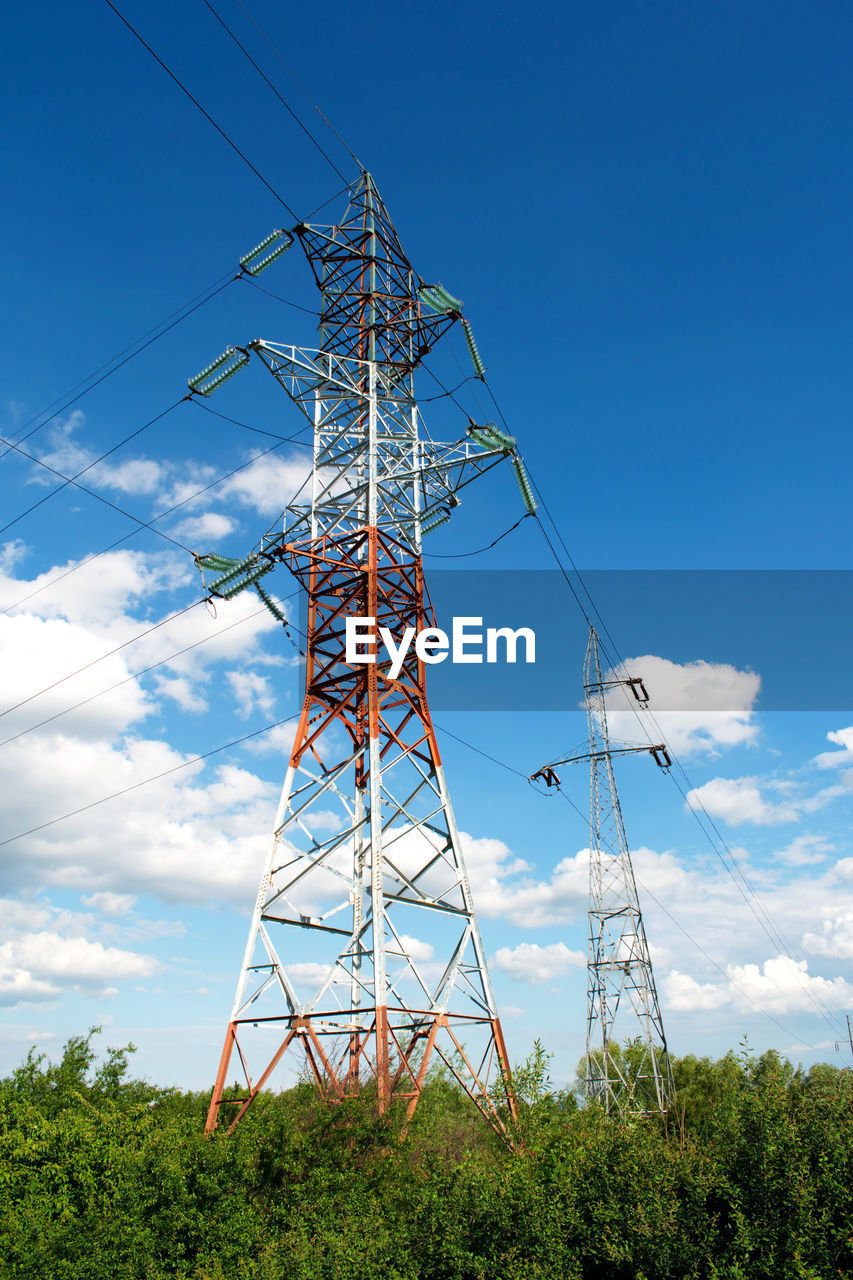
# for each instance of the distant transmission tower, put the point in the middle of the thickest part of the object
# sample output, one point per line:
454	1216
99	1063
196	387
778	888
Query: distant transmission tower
364	951
622	1002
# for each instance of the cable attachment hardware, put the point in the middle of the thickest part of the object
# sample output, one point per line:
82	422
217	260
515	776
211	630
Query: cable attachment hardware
437	516
635	684
661	756
473	351
492	437
438	299
524	484
253	263
234	575
232	360
546	775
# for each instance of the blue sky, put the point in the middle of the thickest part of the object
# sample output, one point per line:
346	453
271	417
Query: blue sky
646	211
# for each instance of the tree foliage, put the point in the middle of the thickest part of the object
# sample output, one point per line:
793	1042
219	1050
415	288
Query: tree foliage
106	1178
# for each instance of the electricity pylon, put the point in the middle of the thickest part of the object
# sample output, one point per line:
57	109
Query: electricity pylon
622	1000
364	950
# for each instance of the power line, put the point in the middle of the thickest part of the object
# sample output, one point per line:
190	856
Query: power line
462	555
788	1032
511	769
746	890
135	675
145	524
257	430
206	114
236	742
277	297
72	479
94	662
187	310
270	84
442	395
292	74
126	537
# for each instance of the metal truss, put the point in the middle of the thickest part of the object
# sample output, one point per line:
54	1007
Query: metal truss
364	951
622	1002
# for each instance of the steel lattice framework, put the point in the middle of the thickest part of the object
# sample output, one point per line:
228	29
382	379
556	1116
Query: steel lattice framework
621	993
364	950
622	1002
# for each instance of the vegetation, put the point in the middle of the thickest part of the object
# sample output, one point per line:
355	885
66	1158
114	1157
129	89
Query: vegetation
105	1178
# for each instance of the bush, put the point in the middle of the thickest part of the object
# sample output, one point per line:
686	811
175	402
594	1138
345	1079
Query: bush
107	1177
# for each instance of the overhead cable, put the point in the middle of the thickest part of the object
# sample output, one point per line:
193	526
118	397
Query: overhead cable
206	114
135	786
270	84
292	74
73	479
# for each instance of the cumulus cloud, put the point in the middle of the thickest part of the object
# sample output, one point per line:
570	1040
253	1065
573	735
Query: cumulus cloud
700	706
11	553
251	691
110	904
279	740
418	950
805	851
781	985
685	995
530	963
503	885
268	484
835	937
66	453
37	966
208	528
182	837
738	800
784	985
78	648
833	759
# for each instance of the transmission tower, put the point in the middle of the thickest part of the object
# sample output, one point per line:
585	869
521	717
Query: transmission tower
622	1002
364	953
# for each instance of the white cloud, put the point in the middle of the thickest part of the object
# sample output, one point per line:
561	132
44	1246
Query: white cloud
835	937
17	986
503	887
699	706
684	994
251	691
279	739
783	985
832	759
419	951
181	691
41	652
11	553
177	837
209	528
308	973
737	800
530	963
268	485
804	851
68	455
137	475
37	966
110	904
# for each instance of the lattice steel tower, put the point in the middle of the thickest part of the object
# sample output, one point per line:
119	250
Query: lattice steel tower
364	950
622	1002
